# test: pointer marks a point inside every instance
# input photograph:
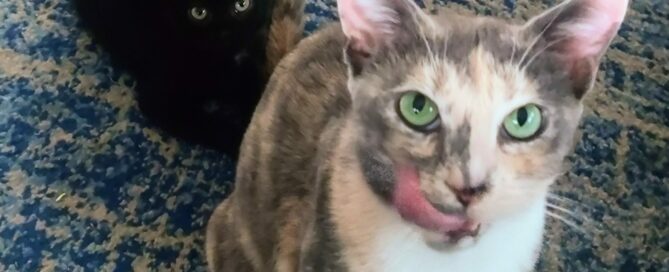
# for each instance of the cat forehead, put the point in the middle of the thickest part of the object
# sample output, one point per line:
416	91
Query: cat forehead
456	48
482	53
454	39
461	34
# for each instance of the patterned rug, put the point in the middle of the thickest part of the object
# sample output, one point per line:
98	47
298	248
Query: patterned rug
86	185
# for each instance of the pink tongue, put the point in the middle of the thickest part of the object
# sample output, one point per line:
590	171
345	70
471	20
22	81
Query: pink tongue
413	206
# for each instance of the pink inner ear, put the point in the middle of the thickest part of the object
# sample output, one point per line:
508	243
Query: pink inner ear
590	35
367	22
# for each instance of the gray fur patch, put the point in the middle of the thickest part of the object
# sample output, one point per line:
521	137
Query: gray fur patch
379	173
324	252
459	141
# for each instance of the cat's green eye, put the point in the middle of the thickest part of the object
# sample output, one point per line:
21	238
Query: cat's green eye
198	13
242	6
524	122
418	111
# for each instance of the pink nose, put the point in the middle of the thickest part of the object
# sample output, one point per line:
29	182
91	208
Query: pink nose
468	195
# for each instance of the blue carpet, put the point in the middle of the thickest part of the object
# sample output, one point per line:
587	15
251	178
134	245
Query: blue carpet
86	185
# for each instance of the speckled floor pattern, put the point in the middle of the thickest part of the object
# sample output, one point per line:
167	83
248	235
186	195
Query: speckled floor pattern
86	185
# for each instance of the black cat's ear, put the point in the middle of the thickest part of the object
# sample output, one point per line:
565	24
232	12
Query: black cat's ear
579	31
375	25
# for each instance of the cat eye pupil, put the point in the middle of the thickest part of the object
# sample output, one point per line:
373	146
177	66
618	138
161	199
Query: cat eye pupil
522	116
418	103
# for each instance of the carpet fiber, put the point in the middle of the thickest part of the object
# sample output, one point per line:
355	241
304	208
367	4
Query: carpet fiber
87	185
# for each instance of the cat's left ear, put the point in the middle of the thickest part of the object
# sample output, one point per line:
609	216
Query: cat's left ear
580	31
373	26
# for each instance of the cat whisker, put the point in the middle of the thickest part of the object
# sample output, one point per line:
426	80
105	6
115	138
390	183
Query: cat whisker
444	52
514	48
568	201
538	37
561	209
562	199
567	222
531	60
423	36
581	214
576	215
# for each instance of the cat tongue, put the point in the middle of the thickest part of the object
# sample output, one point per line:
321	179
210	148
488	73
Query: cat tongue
412	205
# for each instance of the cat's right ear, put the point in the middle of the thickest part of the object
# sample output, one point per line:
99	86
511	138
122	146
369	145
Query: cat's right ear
375	25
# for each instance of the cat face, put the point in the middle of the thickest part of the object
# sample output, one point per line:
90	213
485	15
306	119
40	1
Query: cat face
217	25
472	116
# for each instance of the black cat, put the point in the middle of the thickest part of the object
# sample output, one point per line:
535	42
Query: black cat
200	65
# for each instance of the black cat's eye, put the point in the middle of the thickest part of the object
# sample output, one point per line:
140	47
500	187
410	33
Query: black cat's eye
198	13
242	6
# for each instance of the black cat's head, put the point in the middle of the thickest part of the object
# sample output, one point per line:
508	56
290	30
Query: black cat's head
234	26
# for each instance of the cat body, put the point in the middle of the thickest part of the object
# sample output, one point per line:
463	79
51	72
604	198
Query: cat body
200	66
398	141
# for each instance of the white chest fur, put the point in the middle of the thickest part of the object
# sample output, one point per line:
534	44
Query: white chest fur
510	245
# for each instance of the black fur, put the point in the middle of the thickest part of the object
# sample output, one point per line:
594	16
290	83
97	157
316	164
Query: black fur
198	80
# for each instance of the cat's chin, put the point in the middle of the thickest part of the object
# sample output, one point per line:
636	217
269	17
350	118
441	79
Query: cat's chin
454	240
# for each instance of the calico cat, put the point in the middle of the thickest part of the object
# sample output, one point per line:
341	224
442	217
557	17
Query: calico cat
401	141
200	65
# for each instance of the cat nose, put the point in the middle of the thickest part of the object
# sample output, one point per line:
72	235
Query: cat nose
467	195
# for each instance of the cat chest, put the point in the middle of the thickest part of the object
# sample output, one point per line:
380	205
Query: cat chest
510	245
